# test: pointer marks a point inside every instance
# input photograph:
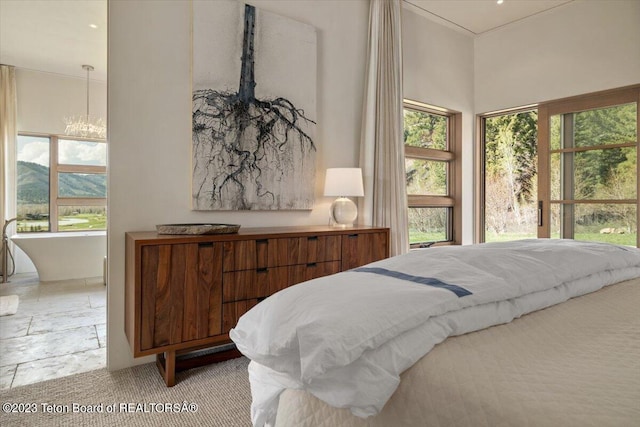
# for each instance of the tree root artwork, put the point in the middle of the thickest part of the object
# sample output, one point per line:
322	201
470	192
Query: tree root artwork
246	151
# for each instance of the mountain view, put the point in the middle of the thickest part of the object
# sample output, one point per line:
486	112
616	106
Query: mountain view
33	184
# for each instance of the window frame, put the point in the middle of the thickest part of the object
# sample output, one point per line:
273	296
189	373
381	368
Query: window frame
546	110
55	168
452	156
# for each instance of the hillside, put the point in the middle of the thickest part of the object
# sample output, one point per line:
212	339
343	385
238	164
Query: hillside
33	184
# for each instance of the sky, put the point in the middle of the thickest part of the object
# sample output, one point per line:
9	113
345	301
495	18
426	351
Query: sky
36	150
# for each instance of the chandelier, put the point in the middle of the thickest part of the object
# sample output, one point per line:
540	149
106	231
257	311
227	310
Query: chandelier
86	126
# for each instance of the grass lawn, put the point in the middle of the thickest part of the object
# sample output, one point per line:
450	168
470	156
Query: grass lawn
628	239
419	237
80	222
618	239
84	222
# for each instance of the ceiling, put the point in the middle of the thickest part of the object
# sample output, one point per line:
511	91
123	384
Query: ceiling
479	16
55	35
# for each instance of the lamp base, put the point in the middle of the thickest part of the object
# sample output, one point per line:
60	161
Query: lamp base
343	212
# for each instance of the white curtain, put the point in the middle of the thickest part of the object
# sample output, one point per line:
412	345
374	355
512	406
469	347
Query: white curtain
382	146
8	135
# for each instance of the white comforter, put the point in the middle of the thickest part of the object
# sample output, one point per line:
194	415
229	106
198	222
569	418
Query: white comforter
346	338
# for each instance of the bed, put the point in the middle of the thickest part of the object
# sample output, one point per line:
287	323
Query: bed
501	334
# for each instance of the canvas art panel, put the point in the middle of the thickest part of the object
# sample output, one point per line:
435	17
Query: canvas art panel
254	109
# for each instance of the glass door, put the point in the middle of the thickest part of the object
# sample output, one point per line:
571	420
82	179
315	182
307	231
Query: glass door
589	172
510	176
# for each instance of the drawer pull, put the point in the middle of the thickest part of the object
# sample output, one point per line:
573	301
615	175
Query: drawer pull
261	270
262	241
312	238
205	244
352	236
311	264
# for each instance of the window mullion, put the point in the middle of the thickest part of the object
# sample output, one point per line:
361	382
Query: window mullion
53	184
81	201
568	169
428	154
430	201
82	169
593	147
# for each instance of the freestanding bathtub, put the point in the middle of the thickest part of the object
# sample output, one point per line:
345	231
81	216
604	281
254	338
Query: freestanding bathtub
65	255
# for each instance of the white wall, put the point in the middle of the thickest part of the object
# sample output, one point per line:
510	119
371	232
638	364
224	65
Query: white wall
577	48
44	100
438	70
149	105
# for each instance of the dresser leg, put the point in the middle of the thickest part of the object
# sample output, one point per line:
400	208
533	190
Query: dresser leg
167	367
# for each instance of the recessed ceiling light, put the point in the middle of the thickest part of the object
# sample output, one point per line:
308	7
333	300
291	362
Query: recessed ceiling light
93	26
500	1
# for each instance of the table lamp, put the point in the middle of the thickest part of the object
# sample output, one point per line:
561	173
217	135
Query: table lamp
343	183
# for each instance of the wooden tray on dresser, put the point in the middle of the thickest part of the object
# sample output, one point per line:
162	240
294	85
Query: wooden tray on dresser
196	229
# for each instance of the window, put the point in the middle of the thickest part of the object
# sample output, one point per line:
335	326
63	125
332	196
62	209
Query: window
591	150
432	141
566	170
61	183
509	170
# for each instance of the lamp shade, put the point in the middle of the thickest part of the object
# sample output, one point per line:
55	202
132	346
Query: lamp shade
343	182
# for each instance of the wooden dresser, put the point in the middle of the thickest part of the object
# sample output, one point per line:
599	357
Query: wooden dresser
185	292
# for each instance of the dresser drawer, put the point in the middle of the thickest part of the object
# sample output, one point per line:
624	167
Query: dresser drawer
262	253
251	284
239	255
260	283
304	250
232	311
303	272
363	248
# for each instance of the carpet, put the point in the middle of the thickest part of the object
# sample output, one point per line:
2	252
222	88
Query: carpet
8	305
214	395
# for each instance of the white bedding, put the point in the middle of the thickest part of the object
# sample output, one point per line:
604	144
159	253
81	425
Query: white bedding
346	338
576	364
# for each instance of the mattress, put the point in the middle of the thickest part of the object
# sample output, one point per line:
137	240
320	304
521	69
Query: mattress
572	364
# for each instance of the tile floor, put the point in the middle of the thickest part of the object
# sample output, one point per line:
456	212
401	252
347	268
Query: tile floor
59	329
